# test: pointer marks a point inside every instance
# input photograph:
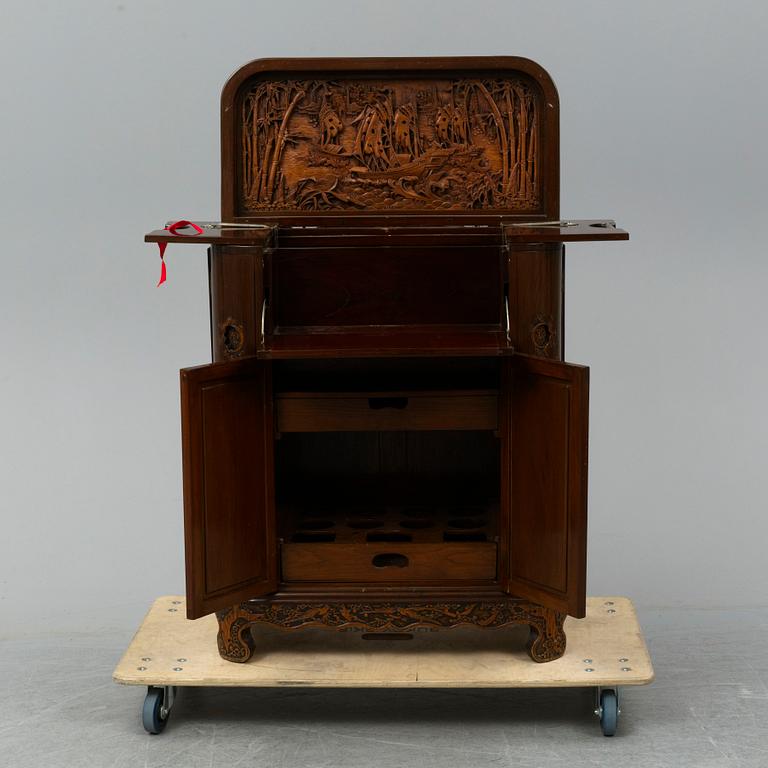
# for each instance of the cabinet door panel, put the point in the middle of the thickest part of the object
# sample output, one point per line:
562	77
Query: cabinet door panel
547	411
229	516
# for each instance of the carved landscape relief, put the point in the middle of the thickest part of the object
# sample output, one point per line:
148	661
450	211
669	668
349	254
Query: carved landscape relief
462	144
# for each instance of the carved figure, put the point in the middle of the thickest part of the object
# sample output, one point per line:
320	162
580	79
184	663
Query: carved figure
443	122
330	126
460	126
407	130
372	141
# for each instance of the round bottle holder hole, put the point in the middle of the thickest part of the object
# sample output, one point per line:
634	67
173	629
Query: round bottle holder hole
364	523
417	512
417	523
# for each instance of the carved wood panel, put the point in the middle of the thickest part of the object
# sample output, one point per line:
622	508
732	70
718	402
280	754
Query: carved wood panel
237	643
375	144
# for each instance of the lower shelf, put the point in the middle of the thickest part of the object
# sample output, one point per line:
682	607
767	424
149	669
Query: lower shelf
375	544
604	649
388	562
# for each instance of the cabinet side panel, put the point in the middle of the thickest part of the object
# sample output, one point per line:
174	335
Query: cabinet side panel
536	299
237	292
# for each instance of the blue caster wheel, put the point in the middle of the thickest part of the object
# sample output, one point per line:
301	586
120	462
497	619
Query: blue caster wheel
157	708
609	711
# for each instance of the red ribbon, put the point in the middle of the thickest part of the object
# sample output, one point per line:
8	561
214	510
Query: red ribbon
174	230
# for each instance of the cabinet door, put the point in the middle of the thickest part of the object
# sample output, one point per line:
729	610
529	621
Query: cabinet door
546	415
229	511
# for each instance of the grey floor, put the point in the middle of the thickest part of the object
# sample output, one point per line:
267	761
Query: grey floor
708	707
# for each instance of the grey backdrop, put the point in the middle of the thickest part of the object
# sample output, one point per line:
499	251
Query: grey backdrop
110	126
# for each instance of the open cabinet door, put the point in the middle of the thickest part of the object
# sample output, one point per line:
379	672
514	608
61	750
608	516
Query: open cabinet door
229	511
546	430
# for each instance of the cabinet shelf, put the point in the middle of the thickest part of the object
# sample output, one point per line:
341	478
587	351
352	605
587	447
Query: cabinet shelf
386	343
370	523
390	543
387	411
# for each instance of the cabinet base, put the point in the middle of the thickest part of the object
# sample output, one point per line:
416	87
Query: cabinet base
236	641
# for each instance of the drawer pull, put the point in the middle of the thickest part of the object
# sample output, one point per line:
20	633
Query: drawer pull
389	560
379	403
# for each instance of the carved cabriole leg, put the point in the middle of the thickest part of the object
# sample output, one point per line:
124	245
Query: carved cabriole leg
547	638
234	639
546	643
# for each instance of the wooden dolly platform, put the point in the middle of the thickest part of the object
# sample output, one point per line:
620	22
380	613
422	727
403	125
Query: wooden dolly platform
605	650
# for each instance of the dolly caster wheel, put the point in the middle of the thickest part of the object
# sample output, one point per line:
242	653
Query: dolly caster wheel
608	711
157	708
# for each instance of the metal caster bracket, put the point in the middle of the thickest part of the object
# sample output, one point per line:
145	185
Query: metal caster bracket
169	698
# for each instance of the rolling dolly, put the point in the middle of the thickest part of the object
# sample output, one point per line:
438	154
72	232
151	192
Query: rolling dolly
606	651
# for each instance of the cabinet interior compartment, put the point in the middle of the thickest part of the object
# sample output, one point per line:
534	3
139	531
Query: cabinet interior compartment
398	484
346	288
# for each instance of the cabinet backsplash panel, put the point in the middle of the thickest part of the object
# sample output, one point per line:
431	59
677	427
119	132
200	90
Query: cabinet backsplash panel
363	136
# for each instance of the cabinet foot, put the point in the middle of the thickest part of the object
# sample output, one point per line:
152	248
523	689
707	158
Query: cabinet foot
547	639
235	640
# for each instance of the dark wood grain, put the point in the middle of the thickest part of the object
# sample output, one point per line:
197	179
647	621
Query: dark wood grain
390	286
229	516
236	278
411	233
386	411
548	412
370	562
224	236
395	342
583	230
536	276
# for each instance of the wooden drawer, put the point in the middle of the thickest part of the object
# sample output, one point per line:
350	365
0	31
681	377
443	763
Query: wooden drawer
388	562
387	411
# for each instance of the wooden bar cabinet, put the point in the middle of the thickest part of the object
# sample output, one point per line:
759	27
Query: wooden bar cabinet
388	437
